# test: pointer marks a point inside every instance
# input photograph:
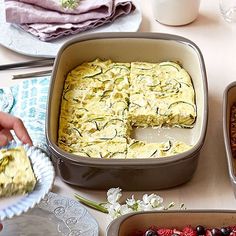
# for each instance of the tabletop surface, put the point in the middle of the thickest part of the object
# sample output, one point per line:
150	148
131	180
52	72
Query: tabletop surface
210	186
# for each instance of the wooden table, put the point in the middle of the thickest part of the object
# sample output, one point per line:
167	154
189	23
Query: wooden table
210	186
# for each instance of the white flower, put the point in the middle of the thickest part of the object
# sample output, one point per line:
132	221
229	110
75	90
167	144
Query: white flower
114	210
152	201
114	195
125	209
131	201
148	202
133	204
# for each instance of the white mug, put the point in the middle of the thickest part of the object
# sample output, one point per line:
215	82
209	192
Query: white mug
175	12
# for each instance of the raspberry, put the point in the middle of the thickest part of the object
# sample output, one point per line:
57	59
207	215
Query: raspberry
153	227
233	228
178	232
208	232
189	231
165	232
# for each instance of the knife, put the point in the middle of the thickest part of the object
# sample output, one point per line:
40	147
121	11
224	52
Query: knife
28	64
32	74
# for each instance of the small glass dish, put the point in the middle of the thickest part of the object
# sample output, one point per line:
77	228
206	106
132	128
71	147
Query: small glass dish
228	10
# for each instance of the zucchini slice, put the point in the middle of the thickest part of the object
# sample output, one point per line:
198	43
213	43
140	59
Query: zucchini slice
118	80
179	102
135	144
185	126
171	64
100	154
186	84
85	153
112	120
4	161
167	146
154	153
134	104
93	72
114	66
112	137
77	130
95	121
106	93
117	153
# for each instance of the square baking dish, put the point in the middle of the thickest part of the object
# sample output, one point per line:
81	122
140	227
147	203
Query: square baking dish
130	174
229	98
128	224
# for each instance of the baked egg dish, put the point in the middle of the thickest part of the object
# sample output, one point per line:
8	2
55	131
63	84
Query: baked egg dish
103	100
16	174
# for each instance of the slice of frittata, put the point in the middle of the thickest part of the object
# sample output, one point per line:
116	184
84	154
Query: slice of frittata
161	95
16	174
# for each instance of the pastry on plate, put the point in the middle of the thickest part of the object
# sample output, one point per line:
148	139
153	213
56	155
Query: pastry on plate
16	174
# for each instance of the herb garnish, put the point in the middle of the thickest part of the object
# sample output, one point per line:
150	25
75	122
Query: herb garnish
70	4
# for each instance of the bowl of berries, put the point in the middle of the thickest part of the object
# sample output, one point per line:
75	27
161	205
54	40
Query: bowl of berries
175	223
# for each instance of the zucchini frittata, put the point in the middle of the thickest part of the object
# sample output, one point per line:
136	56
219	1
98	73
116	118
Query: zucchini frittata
16	174
103	100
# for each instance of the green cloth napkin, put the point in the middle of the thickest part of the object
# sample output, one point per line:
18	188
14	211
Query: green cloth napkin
28	101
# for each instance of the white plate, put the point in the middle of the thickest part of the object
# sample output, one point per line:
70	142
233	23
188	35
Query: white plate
24	43
44	173
55	215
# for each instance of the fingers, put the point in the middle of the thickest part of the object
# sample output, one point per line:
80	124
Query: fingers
6	133
21	131
9	122
3	142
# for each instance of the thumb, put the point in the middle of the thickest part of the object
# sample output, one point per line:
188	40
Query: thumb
3	140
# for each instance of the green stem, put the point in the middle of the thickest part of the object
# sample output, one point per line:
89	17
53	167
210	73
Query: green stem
91	204
172	204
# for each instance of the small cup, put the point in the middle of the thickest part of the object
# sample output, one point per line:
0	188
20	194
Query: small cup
228	10
175	12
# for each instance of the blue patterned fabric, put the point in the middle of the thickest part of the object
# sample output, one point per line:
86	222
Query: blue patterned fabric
28	101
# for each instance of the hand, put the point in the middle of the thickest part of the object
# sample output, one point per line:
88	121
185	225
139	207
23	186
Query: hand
8	123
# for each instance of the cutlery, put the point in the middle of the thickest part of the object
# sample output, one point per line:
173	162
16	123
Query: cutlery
32	74
28	64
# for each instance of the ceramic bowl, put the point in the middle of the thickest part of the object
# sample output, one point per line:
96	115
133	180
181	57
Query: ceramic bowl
127	225
229	99
175	12
129	174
